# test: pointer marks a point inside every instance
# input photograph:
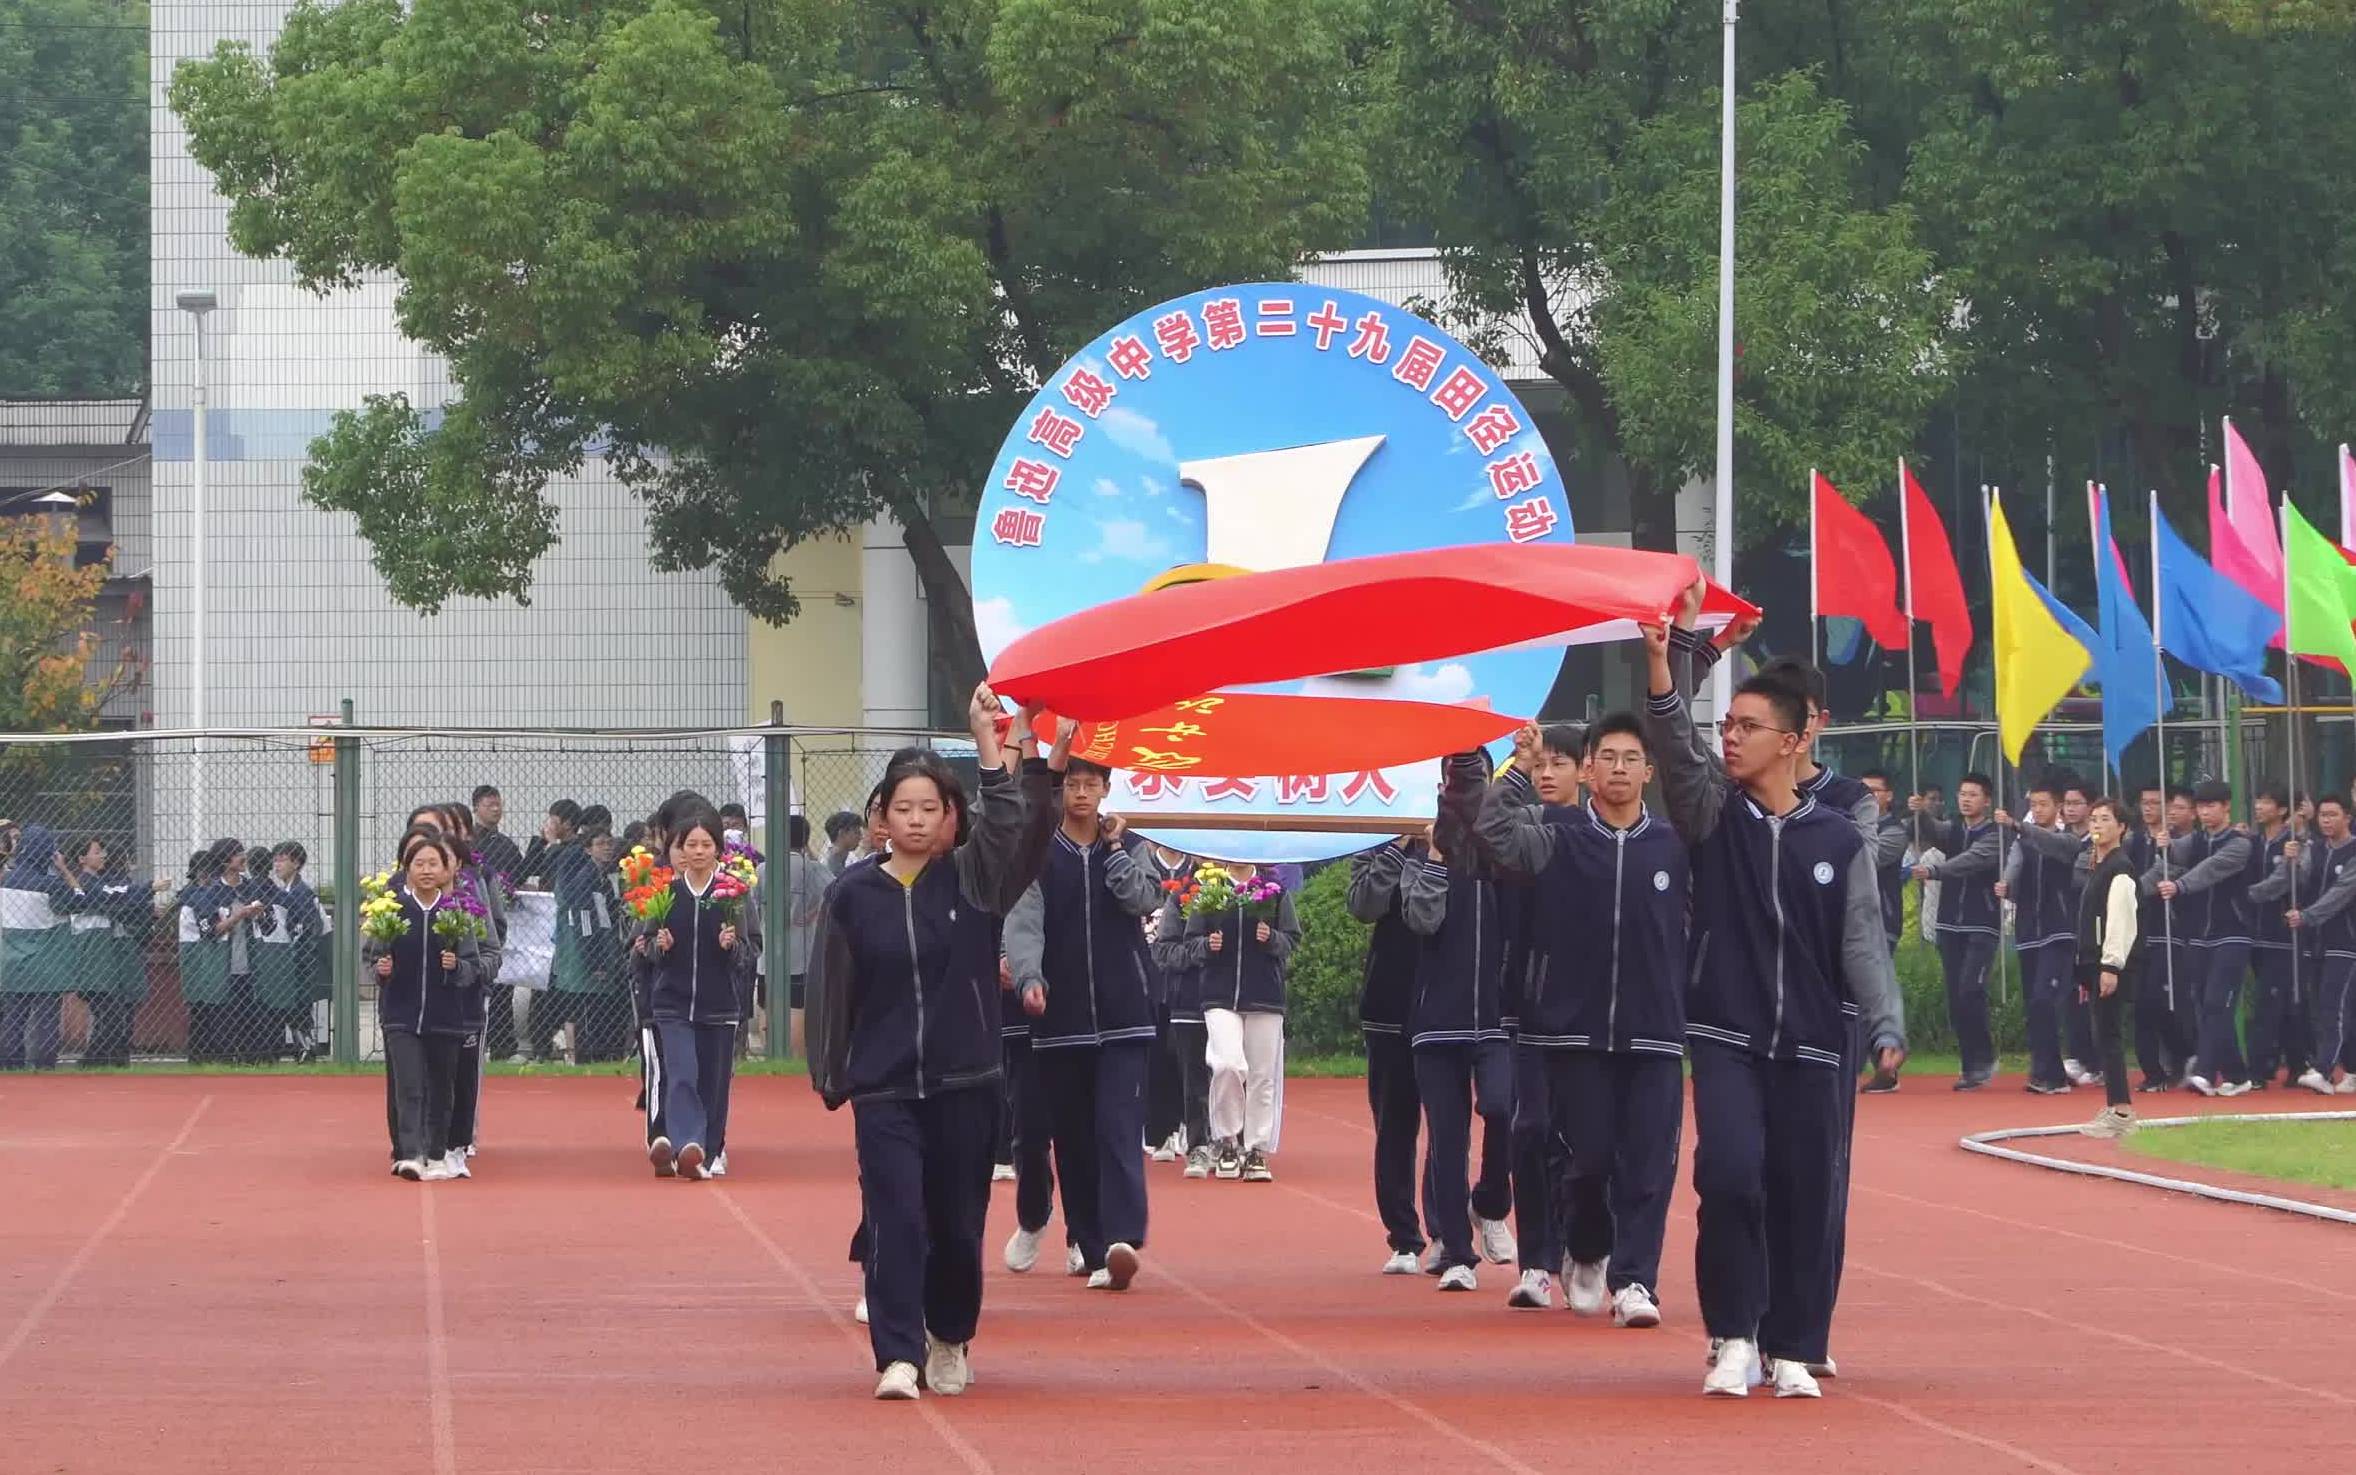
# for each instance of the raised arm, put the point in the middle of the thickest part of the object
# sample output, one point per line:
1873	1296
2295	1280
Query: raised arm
1511	828
1374	882
1423	896
1976	860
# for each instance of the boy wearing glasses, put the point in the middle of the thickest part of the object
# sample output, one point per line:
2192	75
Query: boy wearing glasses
1786	931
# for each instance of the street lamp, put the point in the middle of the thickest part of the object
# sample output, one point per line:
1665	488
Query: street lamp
1722	689
196	305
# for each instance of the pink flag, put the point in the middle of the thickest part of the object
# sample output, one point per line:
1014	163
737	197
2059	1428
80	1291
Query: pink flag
2243	543
2094	499
2347	498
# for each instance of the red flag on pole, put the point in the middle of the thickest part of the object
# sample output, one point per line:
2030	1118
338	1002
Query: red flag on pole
1934	585
1863	582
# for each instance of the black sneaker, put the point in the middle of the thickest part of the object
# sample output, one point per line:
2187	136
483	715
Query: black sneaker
1230	1164
1970	1083
2046	1088
1879	1085
2152	1086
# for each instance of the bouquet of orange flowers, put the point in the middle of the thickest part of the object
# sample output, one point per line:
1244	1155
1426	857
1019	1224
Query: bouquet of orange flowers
649	893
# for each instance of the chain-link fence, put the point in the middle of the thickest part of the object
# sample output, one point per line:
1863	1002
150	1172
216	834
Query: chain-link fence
176	898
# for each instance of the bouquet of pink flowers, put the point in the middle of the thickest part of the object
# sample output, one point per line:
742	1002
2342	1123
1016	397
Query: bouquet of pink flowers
465	918
1261	896
733	885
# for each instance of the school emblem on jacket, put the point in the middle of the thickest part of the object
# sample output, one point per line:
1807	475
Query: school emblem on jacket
1660	880
1824	873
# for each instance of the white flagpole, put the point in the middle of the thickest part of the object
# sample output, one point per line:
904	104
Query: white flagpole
1913	684
2347	503
1815	658
2291	670
1988	496
2161	842
2094	544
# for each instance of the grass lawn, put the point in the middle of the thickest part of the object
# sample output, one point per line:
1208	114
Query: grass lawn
2297	1152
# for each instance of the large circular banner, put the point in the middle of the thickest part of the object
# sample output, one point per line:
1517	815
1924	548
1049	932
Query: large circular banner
1249	429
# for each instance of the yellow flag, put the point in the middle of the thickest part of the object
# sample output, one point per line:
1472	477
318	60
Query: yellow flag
2038	662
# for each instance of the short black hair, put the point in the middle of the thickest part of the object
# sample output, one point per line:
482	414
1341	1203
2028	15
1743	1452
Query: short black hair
484	791
734	810
1987	784
2181	791
1935	787
2106	803
568	810
595	814
2150	786
1872	774
2048	785
635	832
797	831
839	823
2323	799
2072	784
1566	738
1789	701
1800	676
293	850
1617	724
2212	791
2280	795
1081	765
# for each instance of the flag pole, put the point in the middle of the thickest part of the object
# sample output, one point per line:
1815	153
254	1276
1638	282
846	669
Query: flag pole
2093	541
1988	496
2282	531
1815	658
1913	683
2347	512
2162	842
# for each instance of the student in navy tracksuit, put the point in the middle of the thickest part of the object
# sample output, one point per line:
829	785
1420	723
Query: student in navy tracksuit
465	1118
908	1034
2282	1018
1077	941
1604	1011
1786	931
2325	915
2209	872
2162	1046
1190	1041
1456	1030
696	963
1970	921
1889	853
1384	997
2042	878
429	1006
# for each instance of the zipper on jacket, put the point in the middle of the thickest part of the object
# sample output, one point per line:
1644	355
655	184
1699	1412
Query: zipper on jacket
916	977
1088	934
1611	1017
695	957
1476	955
1775	889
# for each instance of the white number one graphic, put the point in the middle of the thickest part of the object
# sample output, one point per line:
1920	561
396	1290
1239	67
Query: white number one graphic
1269	510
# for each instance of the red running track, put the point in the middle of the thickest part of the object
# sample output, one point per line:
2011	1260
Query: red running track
214	1273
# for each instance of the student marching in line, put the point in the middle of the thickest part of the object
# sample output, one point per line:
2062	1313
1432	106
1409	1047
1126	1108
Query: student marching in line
2082	1058
109	939
457	826
1184	1043
2042	880
1077	945
1889	866
2162	1045
1241	963
39	897
694	963
429	1004
216	931
1604	1015
1786	930
1384	999
2281	1015
1970	921
2209	870
2105	947
1456	1030
287	971
2325	918
587	973
904	1026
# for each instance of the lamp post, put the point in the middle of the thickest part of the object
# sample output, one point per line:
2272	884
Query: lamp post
196	305
1722	688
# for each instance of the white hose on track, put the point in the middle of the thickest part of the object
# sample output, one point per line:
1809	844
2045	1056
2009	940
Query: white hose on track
1987	1144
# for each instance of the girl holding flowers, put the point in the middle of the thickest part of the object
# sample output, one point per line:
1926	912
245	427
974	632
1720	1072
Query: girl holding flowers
1240	927
479	892
425	950
696	947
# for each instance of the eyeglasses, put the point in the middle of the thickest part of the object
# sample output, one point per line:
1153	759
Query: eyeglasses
1741	729
1618	760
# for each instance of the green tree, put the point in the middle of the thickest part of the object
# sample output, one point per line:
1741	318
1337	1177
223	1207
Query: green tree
1567	151
73	197
796	263
45	636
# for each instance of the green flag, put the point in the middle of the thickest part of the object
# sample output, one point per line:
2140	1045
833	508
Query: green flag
2320	602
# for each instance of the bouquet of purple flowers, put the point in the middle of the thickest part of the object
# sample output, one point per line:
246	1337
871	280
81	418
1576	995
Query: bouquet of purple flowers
1261	896
465	918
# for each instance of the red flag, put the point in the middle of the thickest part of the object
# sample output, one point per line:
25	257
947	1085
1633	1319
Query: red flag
1864	578
1934	585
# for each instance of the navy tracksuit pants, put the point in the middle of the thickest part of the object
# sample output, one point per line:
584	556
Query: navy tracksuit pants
1034	1138
1397	1105
1541	1164
2165	983
695	1067
2335	1015
924	1179
1456	1082
2282	1024
1622	1115
1766	1167
2049	992
1096	1097
2221	967
1964	961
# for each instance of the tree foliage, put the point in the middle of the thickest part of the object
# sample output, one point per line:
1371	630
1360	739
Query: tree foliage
73	198
45	636
790	263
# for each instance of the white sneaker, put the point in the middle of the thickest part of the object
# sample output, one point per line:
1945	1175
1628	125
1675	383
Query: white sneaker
1496	1240
1585	1292
1022	1250
1168	1152
1120	1263
410	1168
898	1382
2348	1084
470	1147
2077	1074
2316	1081
2200	1084
2234	1088
1633	1306
1535	1293
1734	1368
456	1162
1002	1173
946	1370
1402	1262
1199	1162
719	1166
859	1312
1793	1380
2111	1122
691	1163
1074	1263
1460	1278
437	1170
1100	1280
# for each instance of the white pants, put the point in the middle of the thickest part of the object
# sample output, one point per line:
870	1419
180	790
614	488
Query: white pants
1246	1054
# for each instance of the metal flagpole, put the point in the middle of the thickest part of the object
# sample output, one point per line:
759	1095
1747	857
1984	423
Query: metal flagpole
1988	496
2291	670
1913	684
2161	842
2093	544
1722	690
1815	656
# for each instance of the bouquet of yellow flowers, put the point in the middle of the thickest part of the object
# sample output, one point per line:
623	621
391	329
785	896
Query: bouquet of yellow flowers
1210	893
381	920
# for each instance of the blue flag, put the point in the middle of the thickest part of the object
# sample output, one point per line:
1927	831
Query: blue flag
2123	663
2209	622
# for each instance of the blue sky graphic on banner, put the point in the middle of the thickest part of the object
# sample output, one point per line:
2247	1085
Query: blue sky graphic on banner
1259	427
